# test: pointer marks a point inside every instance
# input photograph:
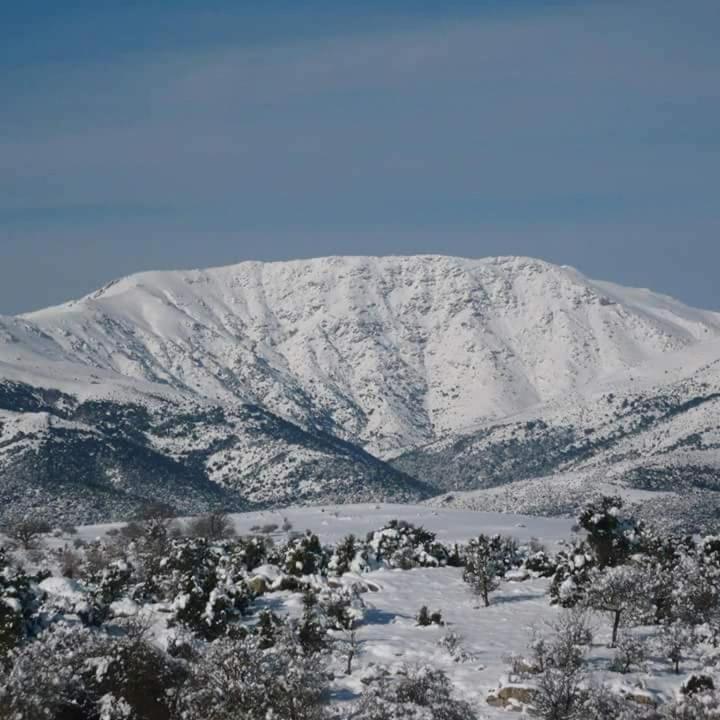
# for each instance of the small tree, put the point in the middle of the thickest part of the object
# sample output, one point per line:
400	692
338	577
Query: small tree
26	531
349	647
618	591
675	638
312	633
482	567
213	526
558	660
631	652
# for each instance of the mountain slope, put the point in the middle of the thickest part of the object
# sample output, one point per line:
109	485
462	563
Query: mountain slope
655	431
96	459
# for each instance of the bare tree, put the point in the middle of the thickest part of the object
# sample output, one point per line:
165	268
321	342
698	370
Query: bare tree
349	647
619	591
214	525
70	563
675	638
26	531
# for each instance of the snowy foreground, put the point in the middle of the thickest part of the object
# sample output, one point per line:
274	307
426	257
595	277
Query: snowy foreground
388	634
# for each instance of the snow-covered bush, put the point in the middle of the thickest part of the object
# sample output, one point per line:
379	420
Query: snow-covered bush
426	618
302	555
312	628
417	694
205	584
698	706
600	702
18	603
212	526
349	555
611	534
401	544
26	530
241	678
696	684
540	564
453	644
572	576
342	607
71	671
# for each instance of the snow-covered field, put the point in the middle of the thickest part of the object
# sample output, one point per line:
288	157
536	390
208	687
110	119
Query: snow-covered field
333	522
389	635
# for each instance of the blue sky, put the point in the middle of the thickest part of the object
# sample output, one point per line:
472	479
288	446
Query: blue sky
147	135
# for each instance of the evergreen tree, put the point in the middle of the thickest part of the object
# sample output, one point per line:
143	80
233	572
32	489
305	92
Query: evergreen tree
482	567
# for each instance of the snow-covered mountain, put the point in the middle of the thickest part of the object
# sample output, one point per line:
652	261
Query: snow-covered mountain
355	359
386	352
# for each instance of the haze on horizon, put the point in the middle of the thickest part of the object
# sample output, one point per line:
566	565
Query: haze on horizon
200	134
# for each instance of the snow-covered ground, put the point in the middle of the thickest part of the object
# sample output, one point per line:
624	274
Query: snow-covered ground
389	635
333	522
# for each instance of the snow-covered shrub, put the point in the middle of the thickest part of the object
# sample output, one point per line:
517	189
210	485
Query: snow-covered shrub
18	603
239	678
698	706
558	689
349	555
26	530
425	618
312	628
695	595
206	587
662	556
348	646
268	629
573	624
540	564
70	671
601	703
416	694
302	555
611	534
214	525
697	683
572	576
343	608
70	562
453	644
401	544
